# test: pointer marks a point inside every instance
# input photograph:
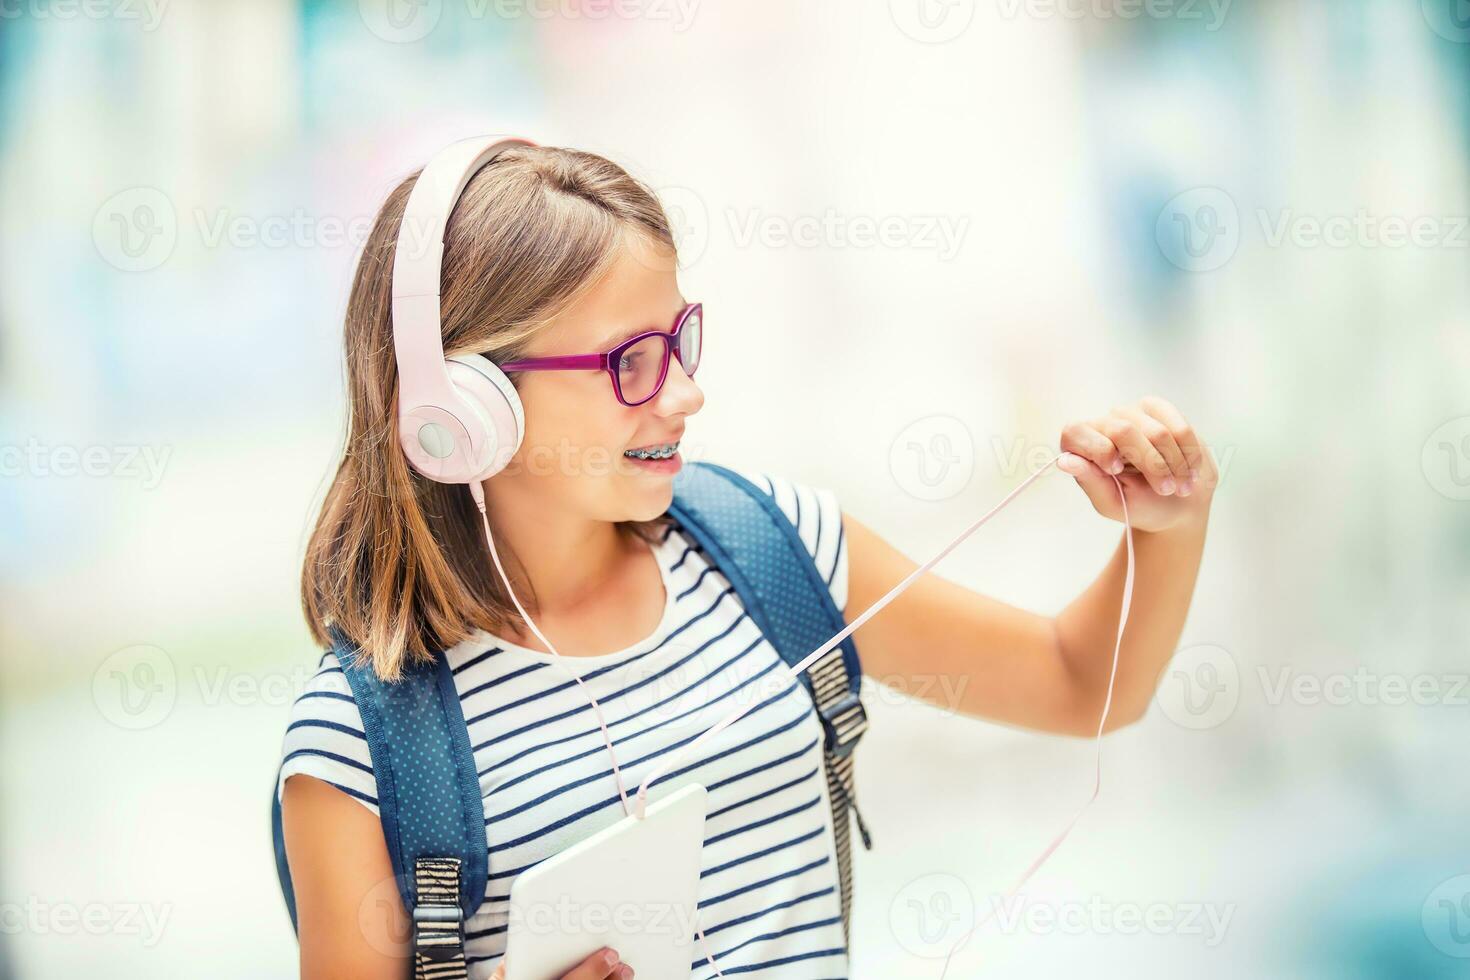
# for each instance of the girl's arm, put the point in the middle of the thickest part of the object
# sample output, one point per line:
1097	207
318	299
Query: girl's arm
350	919
973	654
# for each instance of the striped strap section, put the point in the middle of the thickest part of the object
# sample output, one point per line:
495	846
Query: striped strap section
836	702
438	922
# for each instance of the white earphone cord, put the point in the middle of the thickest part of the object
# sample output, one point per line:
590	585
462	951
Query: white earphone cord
477	491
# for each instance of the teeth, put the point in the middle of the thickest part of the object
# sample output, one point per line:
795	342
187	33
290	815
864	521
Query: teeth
654	452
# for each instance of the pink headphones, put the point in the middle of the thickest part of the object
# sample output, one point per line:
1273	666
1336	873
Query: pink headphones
460	419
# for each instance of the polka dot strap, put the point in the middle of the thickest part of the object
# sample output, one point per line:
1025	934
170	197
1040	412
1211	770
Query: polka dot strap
428	801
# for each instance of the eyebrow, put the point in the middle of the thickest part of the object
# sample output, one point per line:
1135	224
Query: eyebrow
613	340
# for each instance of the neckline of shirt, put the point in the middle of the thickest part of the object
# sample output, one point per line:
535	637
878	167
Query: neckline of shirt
664	556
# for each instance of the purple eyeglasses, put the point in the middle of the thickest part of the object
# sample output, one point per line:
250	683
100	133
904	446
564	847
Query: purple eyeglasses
639	364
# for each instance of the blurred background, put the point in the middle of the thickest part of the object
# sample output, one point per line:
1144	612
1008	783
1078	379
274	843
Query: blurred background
928	234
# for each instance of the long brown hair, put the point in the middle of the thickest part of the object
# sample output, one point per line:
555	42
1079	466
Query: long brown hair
396	562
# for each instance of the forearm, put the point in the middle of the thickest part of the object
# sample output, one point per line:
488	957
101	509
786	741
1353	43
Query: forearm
1166	567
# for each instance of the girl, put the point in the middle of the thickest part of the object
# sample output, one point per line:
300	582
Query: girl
554	252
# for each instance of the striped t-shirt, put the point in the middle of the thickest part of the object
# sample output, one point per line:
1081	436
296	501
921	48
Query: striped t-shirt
768	892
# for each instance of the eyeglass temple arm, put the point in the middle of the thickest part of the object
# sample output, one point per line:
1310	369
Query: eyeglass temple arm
565	362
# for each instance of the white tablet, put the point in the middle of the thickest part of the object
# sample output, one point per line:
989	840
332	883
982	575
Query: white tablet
633	886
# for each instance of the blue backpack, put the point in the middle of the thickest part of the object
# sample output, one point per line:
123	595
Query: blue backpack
428	792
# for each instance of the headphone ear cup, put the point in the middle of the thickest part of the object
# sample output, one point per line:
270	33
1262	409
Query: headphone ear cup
497	422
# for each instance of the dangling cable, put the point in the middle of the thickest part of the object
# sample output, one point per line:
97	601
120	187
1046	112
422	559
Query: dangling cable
478	492
1097	741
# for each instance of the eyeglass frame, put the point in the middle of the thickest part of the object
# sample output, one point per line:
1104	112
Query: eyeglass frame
607	360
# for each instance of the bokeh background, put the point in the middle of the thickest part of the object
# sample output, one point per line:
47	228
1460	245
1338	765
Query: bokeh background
928	233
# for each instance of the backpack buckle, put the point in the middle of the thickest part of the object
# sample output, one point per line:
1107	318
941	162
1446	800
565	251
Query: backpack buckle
438	931
845	720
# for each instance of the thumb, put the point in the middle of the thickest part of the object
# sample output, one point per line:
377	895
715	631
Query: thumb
1098	486
499	973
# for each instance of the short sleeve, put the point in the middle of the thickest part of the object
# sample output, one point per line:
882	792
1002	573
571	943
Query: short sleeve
815	514
325	737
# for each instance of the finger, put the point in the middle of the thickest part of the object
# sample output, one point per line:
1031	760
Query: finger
1184	435
499	973
1136	450
1162	439
599	966
1097	485
1083	439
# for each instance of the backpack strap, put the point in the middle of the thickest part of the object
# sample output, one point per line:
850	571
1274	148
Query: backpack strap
428	801
748	537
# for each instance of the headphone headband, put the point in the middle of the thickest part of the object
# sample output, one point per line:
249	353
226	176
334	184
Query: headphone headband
423	378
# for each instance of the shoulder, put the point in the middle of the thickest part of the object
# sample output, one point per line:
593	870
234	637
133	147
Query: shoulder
814	512
325	736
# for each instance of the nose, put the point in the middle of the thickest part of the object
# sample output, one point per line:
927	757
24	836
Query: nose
679	395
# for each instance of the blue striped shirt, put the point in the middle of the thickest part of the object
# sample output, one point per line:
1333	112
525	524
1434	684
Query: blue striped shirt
768	892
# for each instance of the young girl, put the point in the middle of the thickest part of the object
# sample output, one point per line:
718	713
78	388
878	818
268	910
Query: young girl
555	252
